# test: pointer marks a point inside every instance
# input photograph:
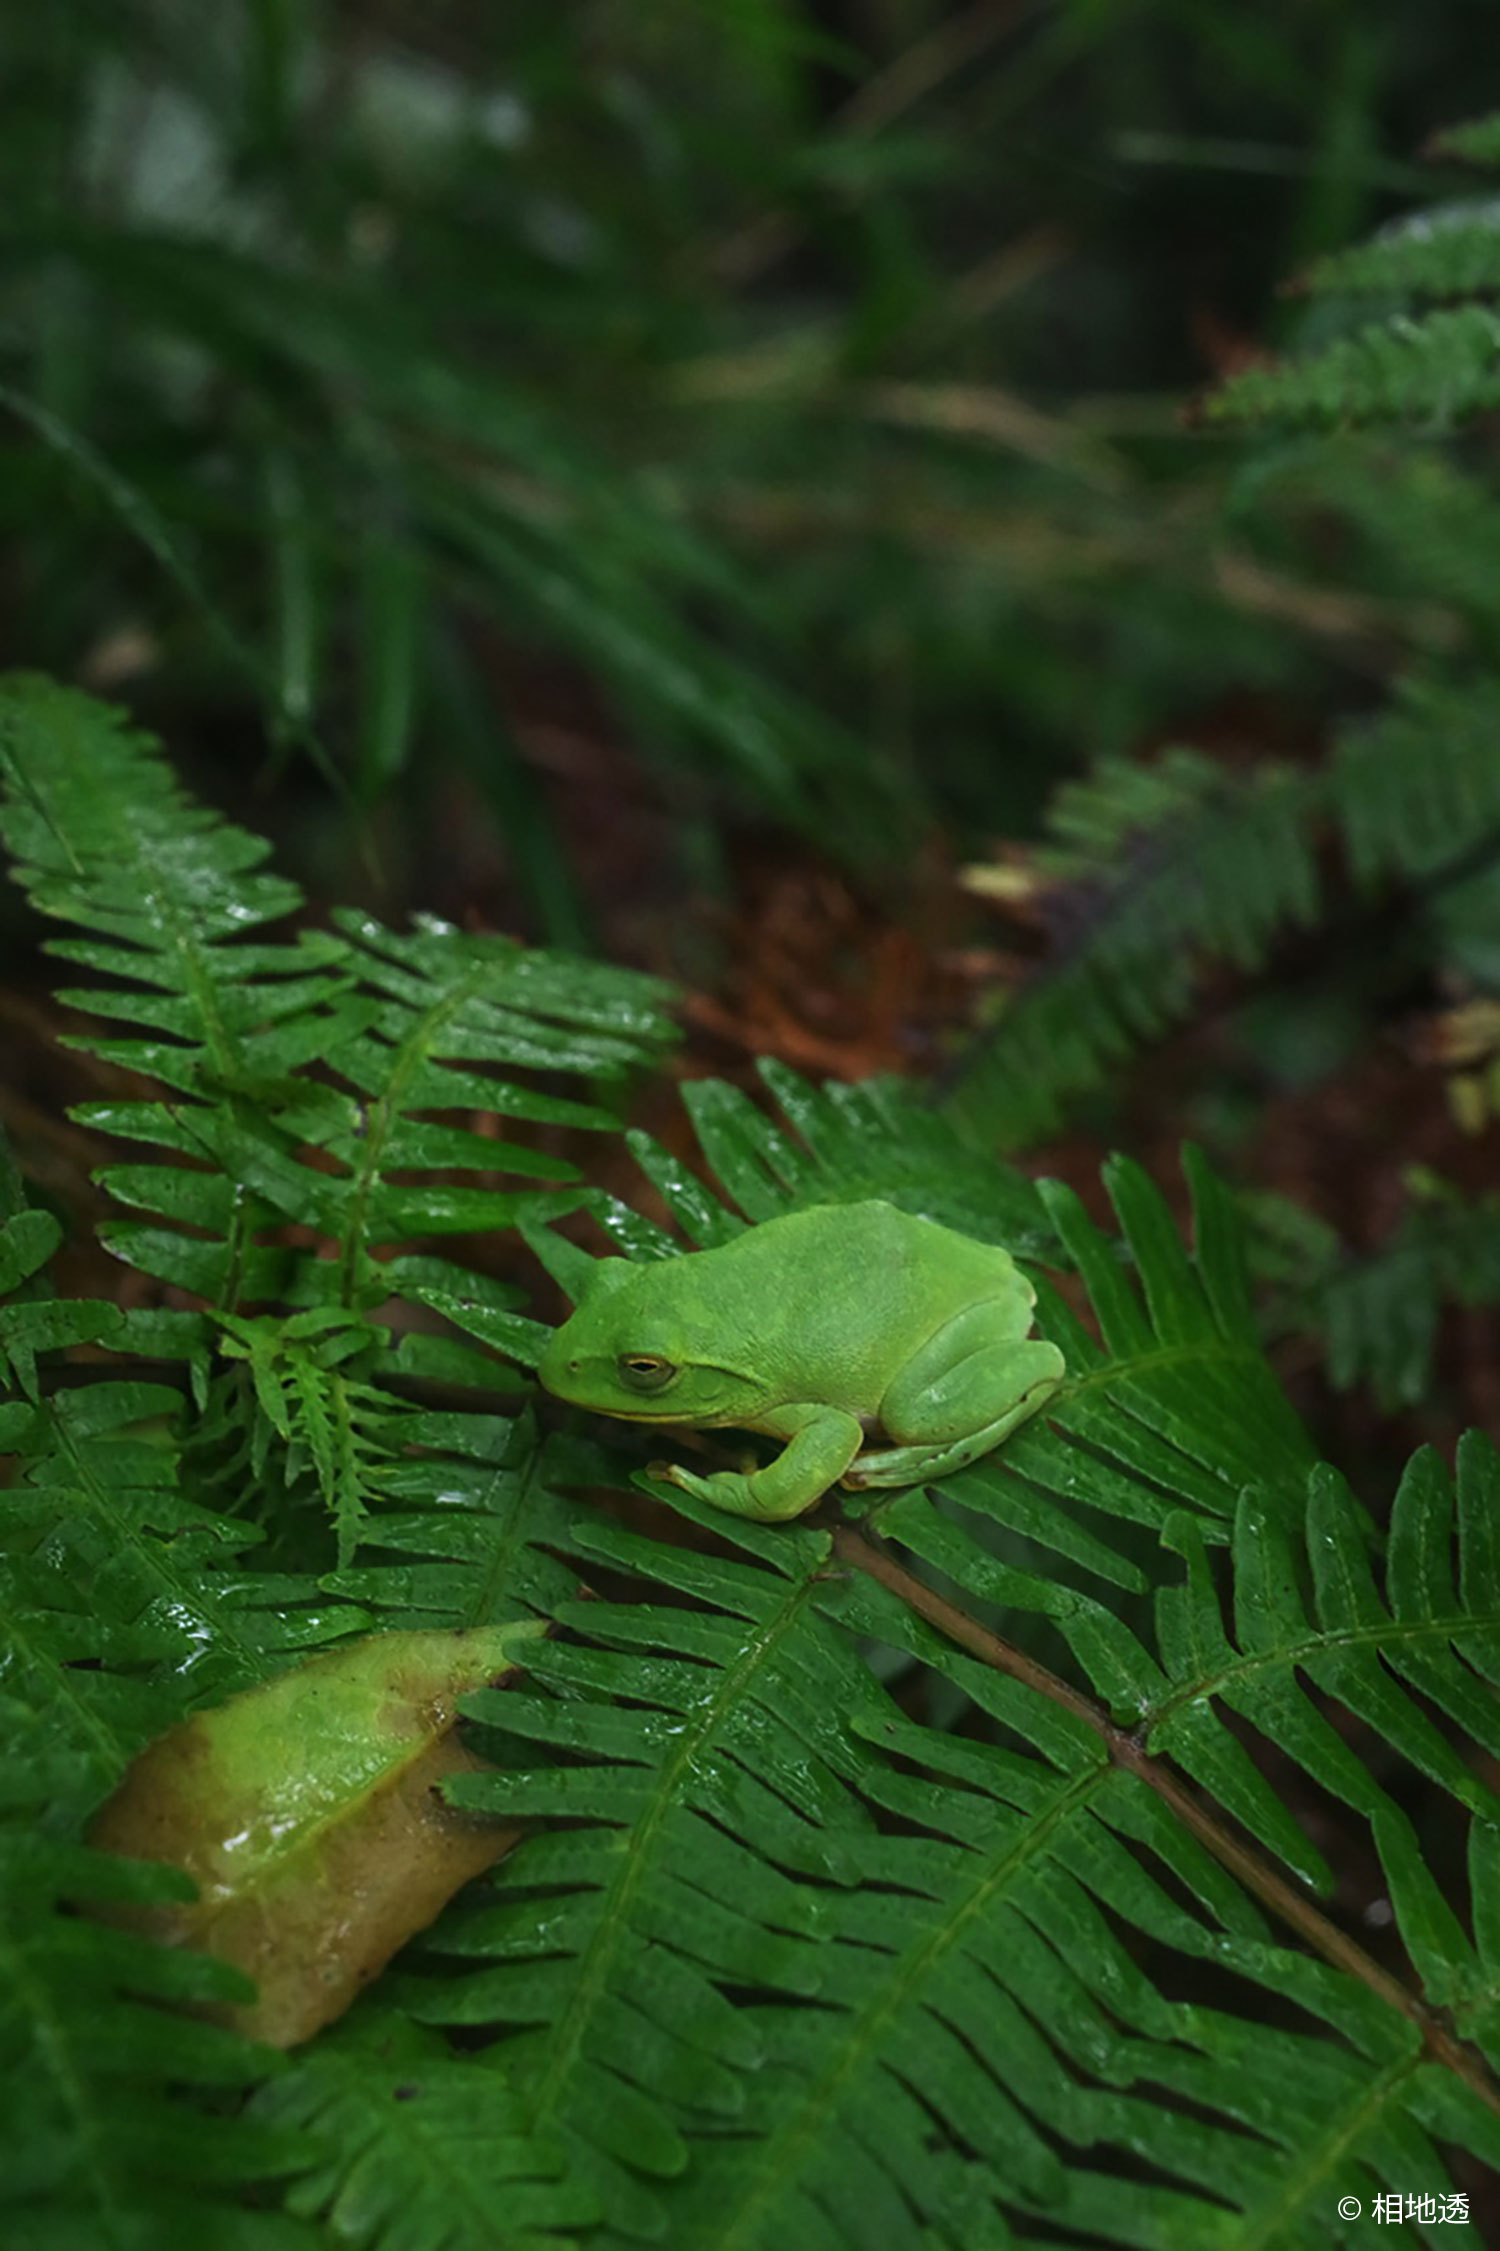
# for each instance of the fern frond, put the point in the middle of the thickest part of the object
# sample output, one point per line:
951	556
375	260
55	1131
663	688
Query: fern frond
114	2129
1162	866
781	1962
471	1522
418	2146
845	1143
403	1032
1351	1636
127	1592
744	1809
1420	789
784	1961
1347	1643
1377	1316
126	1600
1451	250
723	1830
1434	372
411	1025
111	1555
1345	1639
309	1398
1158	869
1166	868
121	1600
1427	526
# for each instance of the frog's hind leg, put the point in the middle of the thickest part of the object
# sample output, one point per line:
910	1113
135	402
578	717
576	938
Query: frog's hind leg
964	1391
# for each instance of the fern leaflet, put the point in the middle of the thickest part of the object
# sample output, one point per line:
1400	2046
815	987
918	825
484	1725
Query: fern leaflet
1450	251
1433	371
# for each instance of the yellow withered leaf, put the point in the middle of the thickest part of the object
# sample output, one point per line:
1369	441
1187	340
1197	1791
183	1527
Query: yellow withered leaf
308	1814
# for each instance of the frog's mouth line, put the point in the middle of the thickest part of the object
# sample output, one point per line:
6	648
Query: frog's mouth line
871	1425
685	1418
624	1414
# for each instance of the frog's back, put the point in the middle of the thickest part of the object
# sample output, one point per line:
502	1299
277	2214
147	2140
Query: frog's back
867	1253
827	1304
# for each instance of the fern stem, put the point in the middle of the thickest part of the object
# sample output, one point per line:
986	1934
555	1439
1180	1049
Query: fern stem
410	1053
1126	1750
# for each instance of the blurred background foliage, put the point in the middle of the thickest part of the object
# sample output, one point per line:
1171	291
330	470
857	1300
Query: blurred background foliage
568	466
785	395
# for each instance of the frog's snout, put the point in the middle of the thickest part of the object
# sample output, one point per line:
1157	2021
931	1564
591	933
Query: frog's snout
553	1369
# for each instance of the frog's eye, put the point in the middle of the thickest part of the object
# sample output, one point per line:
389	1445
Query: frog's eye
645	1371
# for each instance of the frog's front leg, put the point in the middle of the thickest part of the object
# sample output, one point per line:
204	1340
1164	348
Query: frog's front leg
821	1443
962	1392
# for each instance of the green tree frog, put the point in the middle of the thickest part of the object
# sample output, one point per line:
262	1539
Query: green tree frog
817	1328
